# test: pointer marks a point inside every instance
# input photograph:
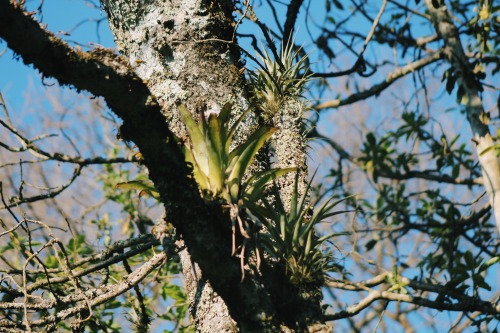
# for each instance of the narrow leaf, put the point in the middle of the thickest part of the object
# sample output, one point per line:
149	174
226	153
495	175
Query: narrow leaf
144	186
199	148
233	128
253	188
244	156
293	204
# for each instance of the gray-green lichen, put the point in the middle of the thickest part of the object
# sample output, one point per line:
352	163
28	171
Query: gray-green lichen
166	43
290	146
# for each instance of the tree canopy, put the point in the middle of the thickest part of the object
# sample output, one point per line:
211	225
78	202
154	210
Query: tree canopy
252	166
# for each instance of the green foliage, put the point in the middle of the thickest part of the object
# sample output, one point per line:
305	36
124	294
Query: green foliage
384	156
405	209
279	78
290	237
218	171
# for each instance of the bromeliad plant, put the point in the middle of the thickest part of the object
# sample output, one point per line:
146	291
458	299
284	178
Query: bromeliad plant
218	171
290	236
278	79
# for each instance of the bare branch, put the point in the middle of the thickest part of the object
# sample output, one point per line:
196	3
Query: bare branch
16	201
96	296
359	66
465	303
291	18
408	9
40	153
378	88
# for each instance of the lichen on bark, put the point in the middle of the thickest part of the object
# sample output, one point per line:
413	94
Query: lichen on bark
166	44
183	52
290	146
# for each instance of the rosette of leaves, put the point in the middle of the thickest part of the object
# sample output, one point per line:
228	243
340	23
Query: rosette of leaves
290	236
278	79
218	171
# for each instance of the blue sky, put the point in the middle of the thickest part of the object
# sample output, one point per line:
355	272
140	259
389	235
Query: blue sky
73	16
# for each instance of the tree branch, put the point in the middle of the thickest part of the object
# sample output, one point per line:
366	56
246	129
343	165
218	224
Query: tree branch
96	296
472	101
27	145
291	18
360	65
378	88
464	303
411	174
16	201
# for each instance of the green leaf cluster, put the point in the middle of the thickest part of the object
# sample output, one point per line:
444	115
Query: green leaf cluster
290	236
279	78
218	171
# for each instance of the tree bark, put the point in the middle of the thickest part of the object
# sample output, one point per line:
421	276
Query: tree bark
184	52
167	44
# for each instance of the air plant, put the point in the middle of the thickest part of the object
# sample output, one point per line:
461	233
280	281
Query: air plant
278	79
290	236
218	171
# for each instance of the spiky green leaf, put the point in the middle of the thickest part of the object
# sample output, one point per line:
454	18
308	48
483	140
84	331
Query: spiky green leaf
244	156
144	186
255	186
199	146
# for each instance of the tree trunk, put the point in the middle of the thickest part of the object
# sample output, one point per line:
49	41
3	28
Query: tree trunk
166	43
182	50
178	51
